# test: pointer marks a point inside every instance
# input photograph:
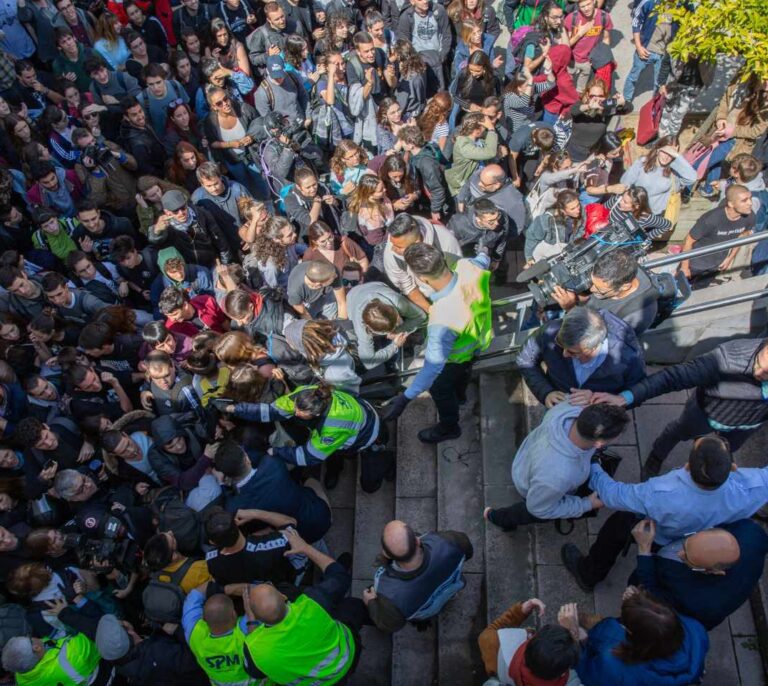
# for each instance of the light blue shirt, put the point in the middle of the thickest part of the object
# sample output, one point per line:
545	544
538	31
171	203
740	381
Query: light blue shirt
678	505
193	613
583	370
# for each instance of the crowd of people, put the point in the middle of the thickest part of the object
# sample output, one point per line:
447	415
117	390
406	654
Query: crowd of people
219	220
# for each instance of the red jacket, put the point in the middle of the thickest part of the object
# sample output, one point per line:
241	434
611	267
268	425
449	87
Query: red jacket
209	313
560	98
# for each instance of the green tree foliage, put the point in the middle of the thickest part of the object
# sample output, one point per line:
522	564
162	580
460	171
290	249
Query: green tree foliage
732	27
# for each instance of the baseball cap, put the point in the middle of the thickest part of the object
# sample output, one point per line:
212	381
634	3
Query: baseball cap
275	67
173	200
40	215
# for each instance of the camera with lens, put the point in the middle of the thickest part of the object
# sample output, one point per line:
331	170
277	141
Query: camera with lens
114	548
100	154
572	269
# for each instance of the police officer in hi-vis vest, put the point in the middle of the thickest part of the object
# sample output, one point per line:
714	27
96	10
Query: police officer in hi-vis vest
311	640
69	661
337	421
216	637
460	325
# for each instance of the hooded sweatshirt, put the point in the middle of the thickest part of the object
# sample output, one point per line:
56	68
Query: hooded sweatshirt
548	467
558	99
180	471
197	280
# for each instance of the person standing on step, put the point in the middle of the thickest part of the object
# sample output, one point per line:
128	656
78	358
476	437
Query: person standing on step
418	575
710	490
460	325
551	467
731	384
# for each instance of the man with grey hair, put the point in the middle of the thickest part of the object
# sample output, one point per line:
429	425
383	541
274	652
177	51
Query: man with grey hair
73	659
315	290
584	352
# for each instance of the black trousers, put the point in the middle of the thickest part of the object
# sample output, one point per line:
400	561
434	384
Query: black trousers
376	462
518	515
448	389
612	540
692	423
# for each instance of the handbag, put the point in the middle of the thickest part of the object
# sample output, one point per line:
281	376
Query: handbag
675	202
650	119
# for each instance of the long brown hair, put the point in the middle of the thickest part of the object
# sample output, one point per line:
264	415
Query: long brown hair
653	630
265	246
652	158
317	338
105	28
437	110
29	579
246	384
457	11
755	105
409	61
237	347
342	150
360	198
395	163
176	172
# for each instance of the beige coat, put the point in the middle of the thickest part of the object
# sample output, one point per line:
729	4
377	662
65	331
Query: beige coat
744	134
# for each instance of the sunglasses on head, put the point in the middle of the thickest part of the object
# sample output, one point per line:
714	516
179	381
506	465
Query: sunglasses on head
175	103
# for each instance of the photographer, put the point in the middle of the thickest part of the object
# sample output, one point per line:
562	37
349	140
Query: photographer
619	285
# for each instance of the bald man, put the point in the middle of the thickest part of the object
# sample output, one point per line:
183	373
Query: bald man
706	575
491	182
215	634
420	575
313	638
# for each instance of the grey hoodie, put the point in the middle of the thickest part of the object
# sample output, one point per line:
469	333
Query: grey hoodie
548	467
755	186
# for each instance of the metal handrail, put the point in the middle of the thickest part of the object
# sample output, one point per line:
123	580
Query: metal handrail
659	262
680	312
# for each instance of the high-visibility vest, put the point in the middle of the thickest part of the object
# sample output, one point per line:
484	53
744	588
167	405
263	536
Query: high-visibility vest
341	427
72	661
467	311
307	647
220	657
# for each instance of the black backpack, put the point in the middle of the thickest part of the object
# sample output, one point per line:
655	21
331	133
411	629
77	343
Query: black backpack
164	600
173	515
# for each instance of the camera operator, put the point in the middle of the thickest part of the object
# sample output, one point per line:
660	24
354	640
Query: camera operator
619	285
110	173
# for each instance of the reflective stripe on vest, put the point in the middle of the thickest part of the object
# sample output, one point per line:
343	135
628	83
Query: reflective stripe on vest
306	648
323	664
466	310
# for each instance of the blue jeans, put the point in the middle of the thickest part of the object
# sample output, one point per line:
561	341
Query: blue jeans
638	66
549	117
715	161
250	176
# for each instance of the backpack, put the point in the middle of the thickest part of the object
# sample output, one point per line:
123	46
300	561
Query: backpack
173	515
13	622
164	600
761	218
520	40
282	195
143	97
271	94
673	289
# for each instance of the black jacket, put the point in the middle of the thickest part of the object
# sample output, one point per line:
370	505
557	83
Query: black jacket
726	389
426	165
622	367
464	227
145	146
202	244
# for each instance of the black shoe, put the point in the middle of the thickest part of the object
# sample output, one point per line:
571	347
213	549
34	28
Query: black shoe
488	514
571	556
331	480
345	560
437	434
652	466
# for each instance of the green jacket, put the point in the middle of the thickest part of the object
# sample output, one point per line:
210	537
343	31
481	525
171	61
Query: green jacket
467	154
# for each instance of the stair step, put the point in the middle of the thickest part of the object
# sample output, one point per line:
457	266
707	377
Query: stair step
372	512
414	653
508	556
459	508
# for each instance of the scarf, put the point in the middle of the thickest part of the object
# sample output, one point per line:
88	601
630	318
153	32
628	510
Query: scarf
188	223
521	675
